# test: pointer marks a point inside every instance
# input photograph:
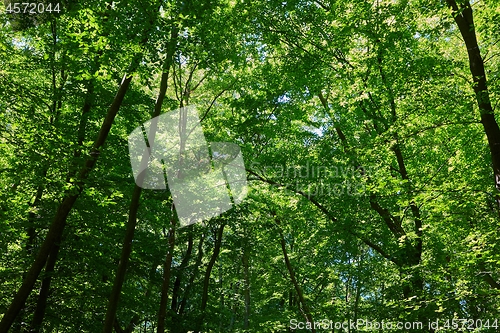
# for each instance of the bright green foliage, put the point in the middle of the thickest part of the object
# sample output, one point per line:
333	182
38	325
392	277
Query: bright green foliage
361	136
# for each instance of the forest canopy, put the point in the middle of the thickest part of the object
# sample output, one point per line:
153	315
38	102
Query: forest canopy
357	140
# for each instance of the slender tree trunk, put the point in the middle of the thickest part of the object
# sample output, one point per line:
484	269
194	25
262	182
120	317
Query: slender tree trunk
413	252
162	312
134	204
174	307
464	19
117	327
56	106
57	227
31	230
246	287
221	299
135	319
356	301
122	265
211	263
298	290
234	306
167	269
193	276
208	272
180	270
43	296
30	244
50	265
130	327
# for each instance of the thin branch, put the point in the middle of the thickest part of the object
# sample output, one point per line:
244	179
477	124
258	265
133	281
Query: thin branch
331	217
215	99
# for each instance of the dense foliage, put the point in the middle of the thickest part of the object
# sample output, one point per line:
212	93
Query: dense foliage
371	148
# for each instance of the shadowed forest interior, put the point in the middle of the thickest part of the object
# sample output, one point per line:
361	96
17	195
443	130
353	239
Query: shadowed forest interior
371	154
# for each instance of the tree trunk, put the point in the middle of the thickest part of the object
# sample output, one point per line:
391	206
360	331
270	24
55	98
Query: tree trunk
174	307
135	319
193	276
57	227
122	265
49	268
465	21
246	287
134	204
41	304
43	295
185	261
211	263
162	312
298	290
31	230
206	280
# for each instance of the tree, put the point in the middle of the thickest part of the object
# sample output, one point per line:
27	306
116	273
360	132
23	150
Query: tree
368	158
